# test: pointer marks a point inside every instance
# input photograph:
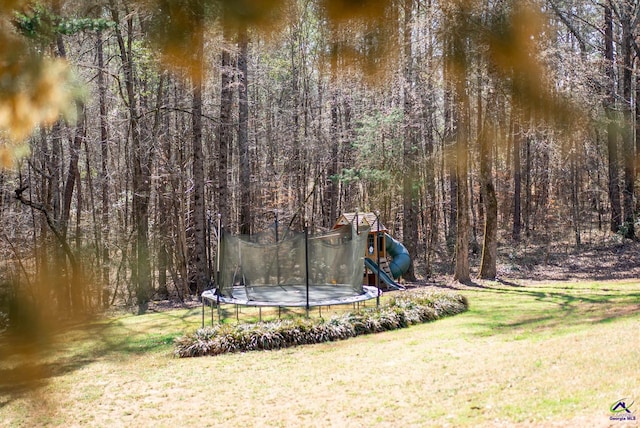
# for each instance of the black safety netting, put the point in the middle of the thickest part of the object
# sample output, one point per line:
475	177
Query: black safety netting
292	268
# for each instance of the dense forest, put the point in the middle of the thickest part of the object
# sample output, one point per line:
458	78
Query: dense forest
469	125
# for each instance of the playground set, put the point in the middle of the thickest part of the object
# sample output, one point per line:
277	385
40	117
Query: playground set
353	262
380	246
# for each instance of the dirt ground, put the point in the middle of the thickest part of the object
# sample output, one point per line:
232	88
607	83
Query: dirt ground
613	260
589	262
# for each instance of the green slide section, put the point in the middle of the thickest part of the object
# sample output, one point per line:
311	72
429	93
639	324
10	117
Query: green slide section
401	260
373	267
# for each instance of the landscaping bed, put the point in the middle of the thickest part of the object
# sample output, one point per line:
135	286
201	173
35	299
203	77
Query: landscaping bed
403	310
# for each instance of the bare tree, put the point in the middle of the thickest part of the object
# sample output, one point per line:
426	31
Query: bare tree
225	129
243	133
488	264
198	253
627	15
612	130
141	158
410	152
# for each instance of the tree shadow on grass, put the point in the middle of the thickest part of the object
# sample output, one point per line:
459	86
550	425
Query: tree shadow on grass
28	365
561	307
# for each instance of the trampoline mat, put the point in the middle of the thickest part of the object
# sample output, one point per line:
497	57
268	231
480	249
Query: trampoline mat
293	295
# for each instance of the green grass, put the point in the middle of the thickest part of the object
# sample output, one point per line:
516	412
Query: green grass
554	354
537	312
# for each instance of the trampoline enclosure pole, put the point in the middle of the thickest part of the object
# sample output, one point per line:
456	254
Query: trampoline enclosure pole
209	249
306	263
218	252
378	253
275	213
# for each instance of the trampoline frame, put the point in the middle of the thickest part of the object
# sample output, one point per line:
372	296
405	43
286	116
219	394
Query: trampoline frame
212	298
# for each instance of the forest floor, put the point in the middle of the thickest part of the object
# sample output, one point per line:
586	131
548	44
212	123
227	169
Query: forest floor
607	260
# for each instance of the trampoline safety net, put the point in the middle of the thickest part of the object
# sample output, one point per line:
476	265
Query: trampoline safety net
270	270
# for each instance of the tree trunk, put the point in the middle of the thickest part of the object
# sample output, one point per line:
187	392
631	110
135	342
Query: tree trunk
637	113
164	211
243	135
488	263
627	131
73	289
225	136
461	126
450	120
575	200
449	151
526	214
409	179
199	277
104	173
462	270
517	178
331	187
430	231
612	129
72	170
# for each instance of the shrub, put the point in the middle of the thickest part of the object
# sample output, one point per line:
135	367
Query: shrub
406	309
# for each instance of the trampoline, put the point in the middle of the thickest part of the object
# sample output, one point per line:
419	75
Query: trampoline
293	270
293	296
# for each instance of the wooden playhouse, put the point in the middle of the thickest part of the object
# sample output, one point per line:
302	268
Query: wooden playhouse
376	252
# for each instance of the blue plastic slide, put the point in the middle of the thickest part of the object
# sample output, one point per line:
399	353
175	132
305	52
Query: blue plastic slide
373	267
401	260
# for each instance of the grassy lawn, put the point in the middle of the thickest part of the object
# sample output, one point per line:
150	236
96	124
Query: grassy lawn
553	354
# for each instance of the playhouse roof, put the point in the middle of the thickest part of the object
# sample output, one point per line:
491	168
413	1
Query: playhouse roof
364	220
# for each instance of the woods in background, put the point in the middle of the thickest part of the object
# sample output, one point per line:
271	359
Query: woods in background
468	124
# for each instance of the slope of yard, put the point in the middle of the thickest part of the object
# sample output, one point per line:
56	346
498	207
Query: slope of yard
534	354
